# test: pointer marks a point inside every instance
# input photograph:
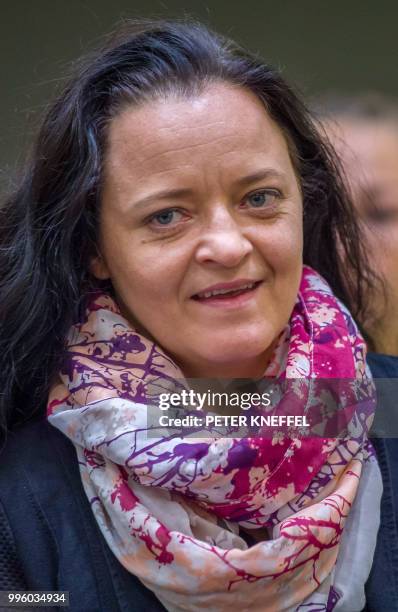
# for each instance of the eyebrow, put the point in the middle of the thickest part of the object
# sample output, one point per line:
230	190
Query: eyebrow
264	173
168	194
165	194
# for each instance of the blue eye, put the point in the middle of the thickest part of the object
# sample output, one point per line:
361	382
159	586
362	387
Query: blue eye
165	217
259	199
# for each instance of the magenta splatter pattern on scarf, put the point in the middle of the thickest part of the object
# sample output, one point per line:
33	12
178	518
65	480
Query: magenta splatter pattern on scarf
171	508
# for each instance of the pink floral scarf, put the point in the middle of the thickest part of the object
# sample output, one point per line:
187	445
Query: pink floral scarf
172	509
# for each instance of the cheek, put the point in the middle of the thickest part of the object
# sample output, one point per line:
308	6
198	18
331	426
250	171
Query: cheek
282	247
383	256
383	247
146	274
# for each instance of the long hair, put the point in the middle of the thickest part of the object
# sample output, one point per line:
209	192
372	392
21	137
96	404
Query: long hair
48	227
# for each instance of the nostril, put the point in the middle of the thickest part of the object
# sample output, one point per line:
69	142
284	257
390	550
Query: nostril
223	248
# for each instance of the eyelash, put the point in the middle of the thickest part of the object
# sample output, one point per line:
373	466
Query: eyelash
380	216
158	214
275	193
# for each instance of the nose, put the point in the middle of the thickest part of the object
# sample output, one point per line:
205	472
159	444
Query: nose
223	241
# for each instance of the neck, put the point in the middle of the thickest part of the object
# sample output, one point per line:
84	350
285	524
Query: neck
386	341
384	332
250	368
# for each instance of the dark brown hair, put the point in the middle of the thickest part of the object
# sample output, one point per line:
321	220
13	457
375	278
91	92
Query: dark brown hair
48	227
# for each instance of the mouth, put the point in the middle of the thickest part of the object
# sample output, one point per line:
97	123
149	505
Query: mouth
228	293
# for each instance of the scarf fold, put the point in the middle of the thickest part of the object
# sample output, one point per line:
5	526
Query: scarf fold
172	508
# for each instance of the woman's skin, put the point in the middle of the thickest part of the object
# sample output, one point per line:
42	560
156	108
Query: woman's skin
201	192
369	153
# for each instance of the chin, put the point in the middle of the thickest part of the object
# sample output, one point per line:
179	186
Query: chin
248	342
239	349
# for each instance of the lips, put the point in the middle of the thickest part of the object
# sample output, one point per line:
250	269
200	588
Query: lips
227	290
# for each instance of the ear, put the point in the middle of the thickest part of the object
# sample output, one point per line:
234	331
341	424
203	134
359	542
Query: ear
98	268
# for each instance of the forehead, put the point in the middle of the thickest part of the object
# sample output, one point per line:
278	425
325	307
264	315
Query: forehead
225	124
368	142
369	153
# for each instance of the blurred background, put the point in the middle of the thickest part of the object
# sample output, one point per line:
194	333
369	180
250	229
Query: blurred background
348	47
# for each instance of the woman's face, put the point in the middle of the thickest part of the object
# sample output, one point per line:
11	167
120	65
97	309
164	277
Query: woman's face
201	228
369	152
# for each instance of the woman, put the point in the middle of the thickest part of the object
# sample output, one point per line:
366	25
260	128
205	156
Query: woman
364	132
176	190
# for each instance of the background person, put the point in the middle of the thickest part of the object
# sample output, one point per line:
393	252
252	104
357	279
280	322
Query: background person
364	132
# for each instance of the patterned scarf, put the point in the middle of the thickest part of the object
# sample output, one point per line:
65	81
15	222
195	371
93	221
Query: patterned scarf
172	508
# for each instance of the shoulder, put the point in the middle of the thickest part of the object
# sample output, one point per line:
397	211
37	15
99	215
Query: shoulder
382	586
383	366
53	531
34	440
38	467
33	461
29	478
39	498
